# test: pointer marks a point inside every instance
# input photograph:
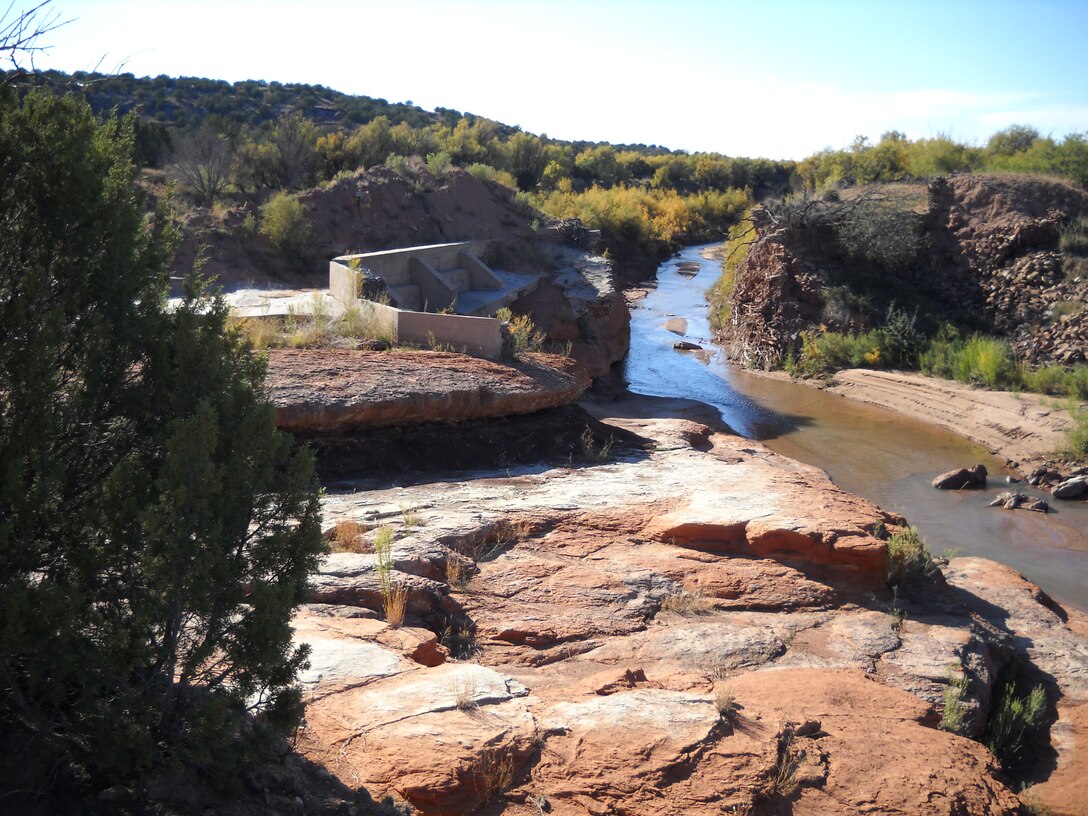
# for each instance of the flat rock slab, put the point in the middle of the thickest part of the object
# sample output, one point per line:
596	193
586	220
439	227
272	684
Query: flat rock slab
343	390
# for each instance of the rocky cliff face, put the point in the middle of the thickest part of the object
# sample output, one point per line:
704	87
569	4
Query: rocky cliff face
701	628
990	257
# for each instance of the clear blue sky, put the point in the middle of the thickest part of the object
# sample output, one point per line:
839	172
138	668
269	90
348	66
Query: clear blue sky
774	78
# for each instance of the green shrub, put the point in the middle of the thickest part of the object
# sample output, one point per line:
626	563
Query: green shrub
986	360
439	163
734	254
825	352
908	557
519	333
1057	380
401	166
485	172
881	232
156	531
979	359
284	223
1078	434
1016	716
899	339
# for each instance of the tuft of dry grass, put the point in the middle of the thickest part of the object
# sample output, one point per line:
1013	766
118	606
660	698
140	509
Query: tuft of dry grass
349	536
725	702
311	328
495	773
487	543
409	516
688	603
593	451
464	690
784	781
458	571
395	602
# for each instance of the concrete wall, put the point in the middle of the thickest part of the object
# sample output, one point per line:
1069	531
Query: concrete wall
435	292
418	266
393	264
342	282
482	277
475	335
383	318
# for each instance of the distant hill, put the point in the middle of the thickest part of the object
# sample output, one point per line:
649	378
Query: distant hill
183	102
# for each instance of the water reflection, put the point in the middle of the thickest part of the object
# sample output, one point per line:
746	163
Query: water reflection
888	458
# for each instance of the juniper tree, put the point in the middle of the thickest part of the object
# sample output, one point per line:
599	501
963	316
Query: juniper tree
155	529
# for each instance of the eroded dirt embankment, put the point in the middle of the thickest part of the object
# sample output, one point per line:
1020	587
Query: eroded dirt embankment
988	258
701	627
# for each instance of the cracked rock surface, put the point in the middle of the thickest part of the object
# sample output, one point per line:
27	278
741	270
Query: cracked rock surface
684	629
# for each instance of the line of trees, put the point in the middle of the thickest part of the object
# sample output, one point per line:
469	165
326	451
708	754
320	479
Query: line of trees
1019	148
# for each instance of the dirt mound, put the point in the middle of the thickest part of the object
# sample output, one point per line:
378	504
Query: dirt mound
989	260
997	239
369	211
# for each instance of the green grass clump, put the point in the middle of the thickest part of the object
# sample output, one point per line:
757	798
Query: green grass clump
1078	434
908	557
1057	380
1016	717
1073	239
954	713
978	359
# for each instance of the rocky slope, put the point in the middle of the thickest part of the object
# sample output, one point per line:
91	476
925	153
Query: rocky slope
699	627
990	258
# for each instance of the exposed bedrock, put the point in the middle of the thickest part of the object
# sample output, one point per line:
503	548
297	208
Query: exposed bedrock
672	631
341	390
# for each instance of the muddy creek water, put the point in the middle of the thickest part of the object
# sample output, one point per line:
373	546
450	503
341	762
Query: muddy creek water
883	456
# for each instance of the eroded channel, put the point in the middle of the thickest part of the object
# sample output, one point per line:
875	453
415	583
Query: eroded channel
883	456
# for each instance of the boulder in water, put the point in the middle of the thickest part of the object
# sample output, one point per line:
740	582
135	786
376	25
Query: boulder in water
961	478
1072	488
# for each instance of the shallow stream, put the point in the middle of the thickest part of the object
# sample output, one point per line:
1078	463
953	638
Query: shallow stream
883	456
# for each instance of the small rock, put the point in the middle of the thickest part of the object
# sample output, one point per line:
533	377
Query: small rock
684	345
971	477
1010	501
1038	505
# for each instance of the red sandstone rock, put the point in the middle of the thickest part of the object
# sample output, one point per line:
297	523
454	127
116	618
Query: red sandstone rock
578	683
336	389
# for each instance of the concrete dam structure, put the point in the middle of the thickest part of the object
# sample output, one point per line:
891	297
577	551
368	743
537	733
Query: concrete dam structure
435	294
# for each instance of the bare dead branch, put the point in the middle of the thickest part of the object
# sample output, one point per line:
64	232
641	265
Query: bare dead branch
20	35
